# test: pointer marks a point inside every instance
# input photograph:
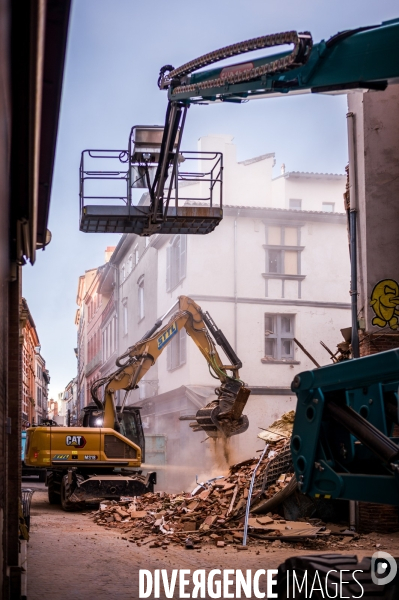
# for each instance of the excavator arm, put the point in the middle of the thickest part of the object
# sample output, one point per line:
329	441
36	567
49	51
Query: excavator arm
223	416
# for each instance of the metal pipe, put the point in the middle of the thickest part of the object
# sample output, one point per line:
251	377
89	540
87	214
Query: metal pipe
251	487
235	283
353	506
314	361
352	229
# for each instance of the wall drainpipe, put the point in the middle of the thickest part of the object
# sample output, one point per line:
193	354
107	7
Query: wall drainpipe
353	505
352	230
235	283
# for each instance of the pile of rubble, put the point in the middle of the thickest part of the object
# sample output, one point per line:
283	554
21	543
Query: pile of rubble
213	512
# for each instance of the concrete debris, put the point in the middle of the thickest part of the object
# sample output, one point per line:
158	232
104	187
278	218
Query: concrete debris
280	429
213	513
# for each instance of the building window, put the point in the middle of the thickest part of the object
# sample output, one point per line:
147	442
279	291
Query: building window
328	206
39	397
295	204
279	337
130	263
123	273
176	262
136	255
140	284
176	351
280	260
147	241
125	321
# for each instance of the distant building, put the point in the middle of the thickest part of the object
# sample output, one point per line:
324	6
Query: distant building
30	342
262	276
52	412
71	403
89	319
35	376
42	383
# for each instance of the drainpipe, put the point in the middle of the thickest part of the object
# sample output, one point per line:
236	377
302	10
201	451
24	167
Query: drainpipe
353	505
352	229
235	282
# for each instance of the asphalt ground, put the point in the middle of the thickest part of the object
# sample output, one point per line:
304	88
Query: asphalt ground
72	558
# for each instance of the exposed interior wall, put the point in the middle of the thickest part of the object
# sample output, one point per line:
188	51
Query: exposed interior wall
377	162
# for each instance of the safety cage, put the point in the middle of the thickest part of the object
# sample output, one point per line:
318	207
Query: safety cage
183	191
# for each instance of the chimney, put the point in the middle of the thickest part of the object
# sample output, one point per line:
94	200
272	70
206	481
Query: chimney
283	169
109	250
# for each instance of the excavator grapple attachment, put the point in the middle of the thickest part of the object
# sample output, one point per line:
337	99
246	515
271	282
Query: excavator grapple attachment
223	417
208	419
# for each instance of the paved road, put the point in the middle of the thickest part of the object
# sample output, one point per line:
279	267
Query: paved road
71	558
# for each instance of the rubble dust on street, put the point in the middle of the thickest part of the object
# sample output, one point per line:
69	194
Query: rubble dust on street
70	557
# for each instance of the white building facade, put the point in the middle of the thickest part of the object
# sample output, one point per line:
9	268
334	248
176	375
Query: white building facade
275	269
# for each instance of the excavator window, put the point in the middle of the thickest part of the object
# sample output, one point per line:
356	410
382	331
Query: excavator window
131	427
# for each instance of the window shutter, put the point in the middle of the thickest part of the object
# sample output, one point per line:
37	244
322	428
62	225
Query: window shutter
183	347
169	357
168	268
183	257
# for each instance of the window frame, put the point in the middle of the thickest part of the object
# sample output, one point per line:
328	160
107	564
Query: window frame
140	298
177	347
324	204
125	317
279	336
295	200
176	261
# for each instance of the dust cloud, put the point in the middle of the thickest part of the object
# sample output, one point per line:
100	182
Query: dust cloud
216	457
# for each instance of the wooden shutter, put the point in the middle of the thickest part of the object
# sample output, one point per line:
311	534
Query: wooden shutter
168	268
169	357
183	257
182	347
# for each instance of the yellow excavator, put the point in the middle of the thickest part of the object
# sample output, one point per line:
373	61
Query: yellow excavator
100	459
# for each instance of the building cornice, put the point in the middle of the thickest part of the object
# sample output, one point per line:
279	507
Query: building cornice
311	175
284	215
271	301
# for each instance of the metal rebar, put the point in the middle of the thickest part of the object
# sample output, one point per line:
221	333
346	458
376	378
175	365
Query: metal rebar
251	487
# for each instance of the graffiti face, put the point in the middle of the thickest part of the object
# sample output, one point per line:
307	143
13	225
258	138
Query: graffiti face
384	302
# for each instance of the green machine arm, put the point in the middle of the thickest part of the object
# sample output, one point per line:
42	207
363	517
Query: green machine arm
366	58
363	58
342	442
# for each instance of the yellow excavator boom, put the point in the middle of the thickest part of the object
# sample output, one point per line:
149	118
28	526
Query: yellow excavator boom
222	417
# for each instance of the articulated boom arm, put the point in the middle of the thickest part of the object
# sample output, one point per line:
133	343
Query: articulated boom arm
223	416
363	58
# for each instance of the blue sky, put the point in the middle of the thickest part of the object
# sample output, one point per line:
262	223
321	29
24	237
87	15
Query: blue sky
115	51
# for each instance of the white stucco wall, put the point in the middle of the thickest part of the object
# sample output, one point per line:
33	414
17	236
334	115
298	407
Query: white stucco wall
312	188
228	282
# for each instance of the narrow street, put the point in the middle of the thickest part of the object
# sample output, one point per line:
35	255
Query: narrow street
71	558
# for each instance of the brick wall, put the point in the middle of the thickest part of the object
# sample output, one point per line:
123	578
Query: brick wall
380	518
5	120
371	343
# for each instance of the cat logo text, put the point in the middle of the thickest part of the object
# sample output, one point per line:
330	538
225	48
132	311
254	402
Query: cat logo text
78	441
